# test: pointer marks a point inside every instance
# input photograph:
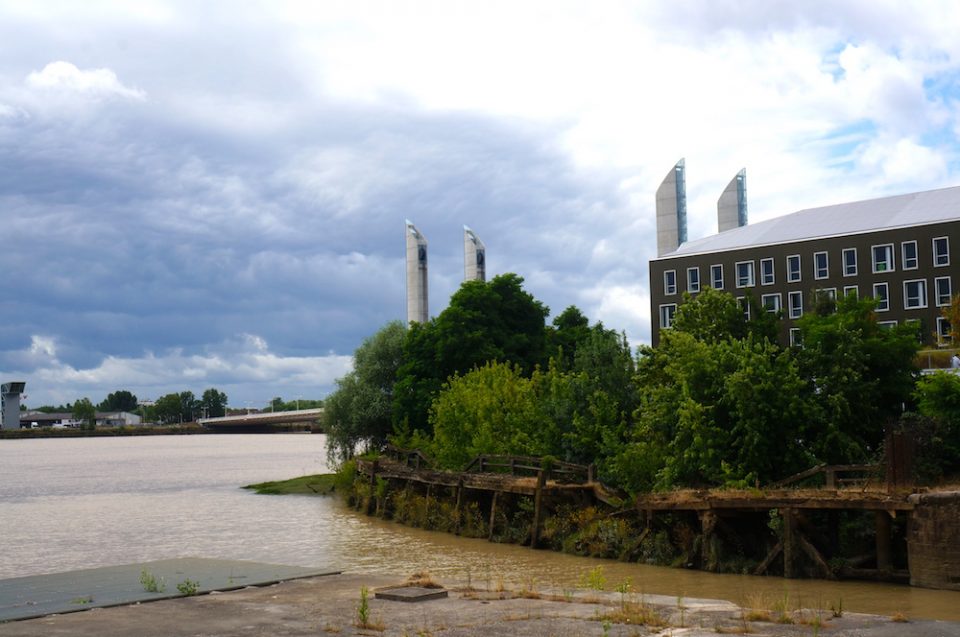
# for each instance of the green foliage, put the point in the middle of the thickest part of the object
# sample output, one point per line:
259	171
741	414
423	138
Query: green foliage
485	321
151	583
862	375
569	330
213	403
84	411
177	408
121	400
938	399
359	413
491	410
188	587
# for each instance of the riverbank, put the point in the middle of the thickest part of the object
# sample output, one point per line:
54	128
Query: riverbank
102	432
332	605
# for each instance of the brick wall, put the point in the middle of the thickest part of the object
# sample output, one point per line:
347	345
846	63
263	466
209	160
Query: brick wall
933	540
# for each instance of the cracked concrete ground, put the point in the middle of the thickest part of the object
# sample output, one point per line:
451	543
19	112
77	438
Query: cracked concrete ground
328	606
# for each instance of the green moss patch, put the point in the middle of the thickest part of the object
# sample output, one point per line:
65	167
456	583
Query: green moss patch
322	484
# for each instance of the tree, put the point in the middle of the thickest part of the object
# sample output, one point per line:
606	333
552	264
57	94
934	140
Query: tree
360	411
491	410
485	321
710	316
84	411
178	408
952	314
569	330
213	403
121	400
862	375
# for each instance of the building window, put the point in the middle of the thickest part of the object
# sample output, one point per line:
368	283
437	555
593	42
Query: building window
882	258
941	252
943	330
745	274
850	262
670	282
795	337
716	277
915	294
745	306
795	301
793	268
887	325
766	272
693	280
851	289
771	302
881	292
667	313
829	294
943	289
821	269
908	252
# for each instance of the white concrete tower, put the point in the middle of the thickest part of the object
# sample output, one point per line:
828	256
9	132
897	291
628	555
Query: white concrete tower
732	204
416	276
474	257
672	210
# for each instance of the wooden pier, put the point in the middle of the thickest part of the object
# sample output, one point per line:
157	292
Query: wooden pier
808	513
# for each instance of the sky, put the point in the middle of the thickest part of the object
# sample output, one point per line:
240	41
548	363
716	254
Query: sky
213	194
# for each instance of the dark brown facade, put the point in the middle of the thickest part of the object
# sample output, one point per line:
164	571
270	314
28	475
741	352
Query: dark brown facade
917	268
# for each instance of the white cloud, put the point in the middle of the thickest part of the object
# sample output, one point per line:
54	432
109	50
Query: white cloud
245	364
64	76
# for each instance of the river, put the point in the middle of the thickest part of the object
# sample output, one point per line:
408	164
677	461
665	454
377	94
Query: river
84	502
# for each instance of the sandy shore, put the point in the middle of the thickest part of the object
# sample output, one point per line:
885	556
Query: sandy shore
329	606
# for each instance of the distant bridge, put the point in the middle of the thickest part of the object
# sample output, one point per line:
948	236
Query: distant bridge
263	419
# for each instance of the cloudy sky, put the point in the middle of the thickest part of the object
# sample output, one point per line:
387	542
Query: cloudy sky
199	194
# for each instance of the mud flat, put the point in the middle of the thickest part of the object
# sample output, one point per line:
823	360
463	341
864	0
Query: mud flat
331	605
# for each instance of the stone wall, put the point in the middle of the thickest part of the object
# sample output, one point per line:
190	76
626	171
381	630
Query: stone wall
933	540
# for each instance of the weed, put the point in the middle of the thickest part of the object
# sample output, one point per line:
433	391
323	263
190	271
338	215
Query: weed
623	588
606	625
151	583
330	628
82	600
423	579
837	609
594	579
363	612
899	618
188	587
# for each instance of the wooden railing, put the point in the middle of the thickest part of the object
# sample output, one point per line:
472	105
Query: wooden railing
529	465
410	457
834	475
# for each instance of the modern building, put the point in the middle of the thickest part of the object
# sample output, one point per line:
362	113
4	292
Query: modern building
32	419
474	257
894	249
417	311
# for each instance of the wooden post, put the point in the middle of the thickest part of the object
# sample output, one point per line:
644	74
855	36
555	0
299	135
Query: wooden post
493	515
426	508
591	473
458	519
831	478
708	521
789	542
537	509
884	557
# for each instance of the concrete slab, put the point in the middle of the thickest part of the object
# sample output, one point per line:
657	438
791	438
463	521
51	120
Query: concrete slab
410	593
41	595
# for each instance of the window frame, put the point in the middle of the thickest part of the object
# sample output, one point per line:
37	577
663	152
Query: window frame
873	258
936	291
795	337
778	304
690	282
885	299
752	273
763	275
666	286
716	267
906	298
941	337
945	255
843	261
887	324
816	265
799	270
666	322
904	261
847	289
744	306
794	311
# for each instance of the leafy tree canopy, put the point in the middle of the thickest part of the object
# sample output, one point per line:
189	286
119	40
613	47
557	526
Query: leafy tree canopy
121	400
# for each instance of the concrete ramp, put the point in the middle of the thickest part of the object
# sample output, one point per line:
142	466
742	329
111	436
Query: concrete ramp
40	595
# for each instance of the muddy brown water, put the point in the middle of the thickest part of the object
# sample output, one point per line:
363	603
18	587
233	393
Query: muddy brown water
80	503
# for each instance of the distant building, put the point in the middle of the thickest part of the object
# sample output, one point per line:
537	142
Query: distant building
417	303
894	249
65	419
474	257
